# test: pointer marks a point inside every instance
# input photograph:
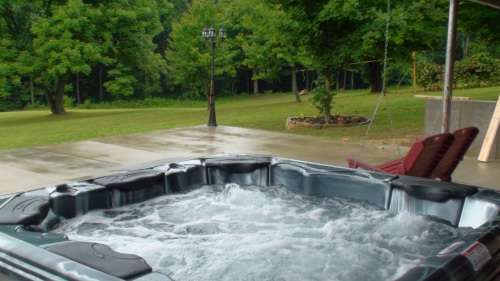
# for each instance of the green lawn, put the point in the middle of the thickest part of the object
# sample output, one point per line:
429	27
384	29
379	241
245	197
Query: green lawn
267	112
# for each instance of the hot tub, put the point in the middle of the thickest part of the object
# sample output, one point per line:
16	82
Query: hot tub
32	250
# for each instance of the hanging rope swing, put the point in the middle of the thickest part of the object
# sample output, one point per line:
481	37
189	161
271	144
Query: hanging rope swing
382	95
434	157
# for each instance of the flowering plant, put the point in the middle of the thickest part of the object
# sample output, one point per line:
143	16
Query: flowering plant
336	119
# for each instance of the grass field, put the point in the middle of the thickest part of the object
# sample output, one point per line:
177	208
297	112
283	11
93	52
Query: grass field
266	112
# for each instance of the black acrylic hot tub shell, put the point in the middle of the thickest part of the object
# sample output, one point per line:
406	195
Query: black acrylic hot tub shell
26	218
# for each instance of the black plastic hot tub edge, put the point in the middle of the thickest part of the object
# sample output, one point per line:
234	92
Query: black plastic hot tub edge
27	217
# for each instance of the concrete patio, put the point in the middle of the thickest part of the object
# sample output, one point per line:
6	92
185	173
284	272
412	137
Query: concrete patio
35	167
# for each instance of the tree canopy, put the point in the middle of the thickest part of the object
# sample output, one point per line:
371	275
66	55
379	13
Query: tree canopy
340	33
55	39
123	49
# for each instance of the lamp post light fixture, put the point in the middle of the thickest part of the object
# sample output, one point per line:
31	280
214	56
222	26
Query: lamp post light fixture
209	34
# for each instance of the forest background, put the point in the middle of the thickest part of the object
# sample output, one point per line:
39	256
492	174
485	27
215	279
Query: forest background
60	53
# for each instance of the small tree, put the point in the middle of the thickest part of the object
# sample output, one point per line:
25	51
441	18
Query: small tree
322	97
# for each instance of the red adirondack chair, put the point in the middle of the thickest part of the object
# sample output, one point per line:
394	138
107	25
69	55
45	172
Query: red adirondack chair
455	153
420	161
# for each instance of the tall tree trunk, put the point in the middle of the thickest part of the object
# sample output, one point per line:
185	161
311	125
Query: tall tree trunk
352	80
466	45
295	89
375	71
255	82
308	87
337	82
345	77
248	80
55	97
32	92
100	84
78	88
328	102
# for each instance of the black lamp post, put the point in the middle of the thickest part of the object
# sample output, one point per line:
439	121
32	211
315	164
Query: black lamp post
209	33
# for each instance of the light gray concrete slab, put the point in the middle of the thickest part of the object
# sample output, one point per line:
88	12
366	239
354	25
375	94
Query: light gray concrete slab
464	113
27	168
100	152
477	173
16	180
201	140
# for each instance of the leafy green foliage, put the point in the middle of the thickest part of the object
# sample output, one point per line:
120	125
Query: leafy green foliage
428	73
189	58
52	40
122	83
256	23
322	99
66	41
480	20
15	42
153	48
181	55
132	26
145	103
338	33
252	28
478	70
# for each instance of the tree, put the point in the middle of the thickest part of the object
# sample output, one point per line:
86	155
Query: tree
131	27
251	43
167	18
189	58
72	37
479	20
16	49
256	42
413	26
67	41
287	45
479	23
338	33
316	33
323	98
256	26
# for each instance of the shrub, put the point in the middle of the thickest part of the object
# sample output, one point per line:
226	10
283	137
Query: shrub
146	103
68	101
478	70
322	98
428	73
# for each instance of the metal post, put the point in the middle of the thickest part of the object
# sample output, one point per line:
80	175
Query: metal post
450	61
211	119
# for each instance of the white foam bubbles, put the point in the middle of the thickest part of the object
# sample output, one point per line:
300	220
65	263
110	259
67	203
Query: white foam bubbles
263	233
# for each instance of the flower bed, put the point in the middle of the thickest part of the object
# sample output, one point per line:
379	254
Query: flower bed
318	122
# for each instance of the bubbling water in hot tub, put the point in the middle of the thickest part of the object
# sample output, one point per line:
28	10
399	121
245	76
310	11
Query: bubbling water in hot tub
264	233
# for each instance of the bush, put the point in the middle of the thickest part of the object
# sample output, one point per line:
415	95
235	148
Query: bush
146	103
399	73
7	103
428	73
68	101
478	70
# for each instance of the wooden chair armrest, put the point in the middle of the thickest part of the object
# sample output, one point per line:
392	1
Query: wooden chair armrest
393	167
353	163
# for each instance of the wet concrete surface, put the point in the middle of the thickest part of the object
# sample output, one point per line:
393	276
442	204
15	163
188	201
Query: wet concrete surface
34	167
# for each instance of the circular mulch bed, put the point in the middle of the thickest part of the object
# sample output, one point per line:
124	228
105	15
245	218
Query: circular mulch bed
312	122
